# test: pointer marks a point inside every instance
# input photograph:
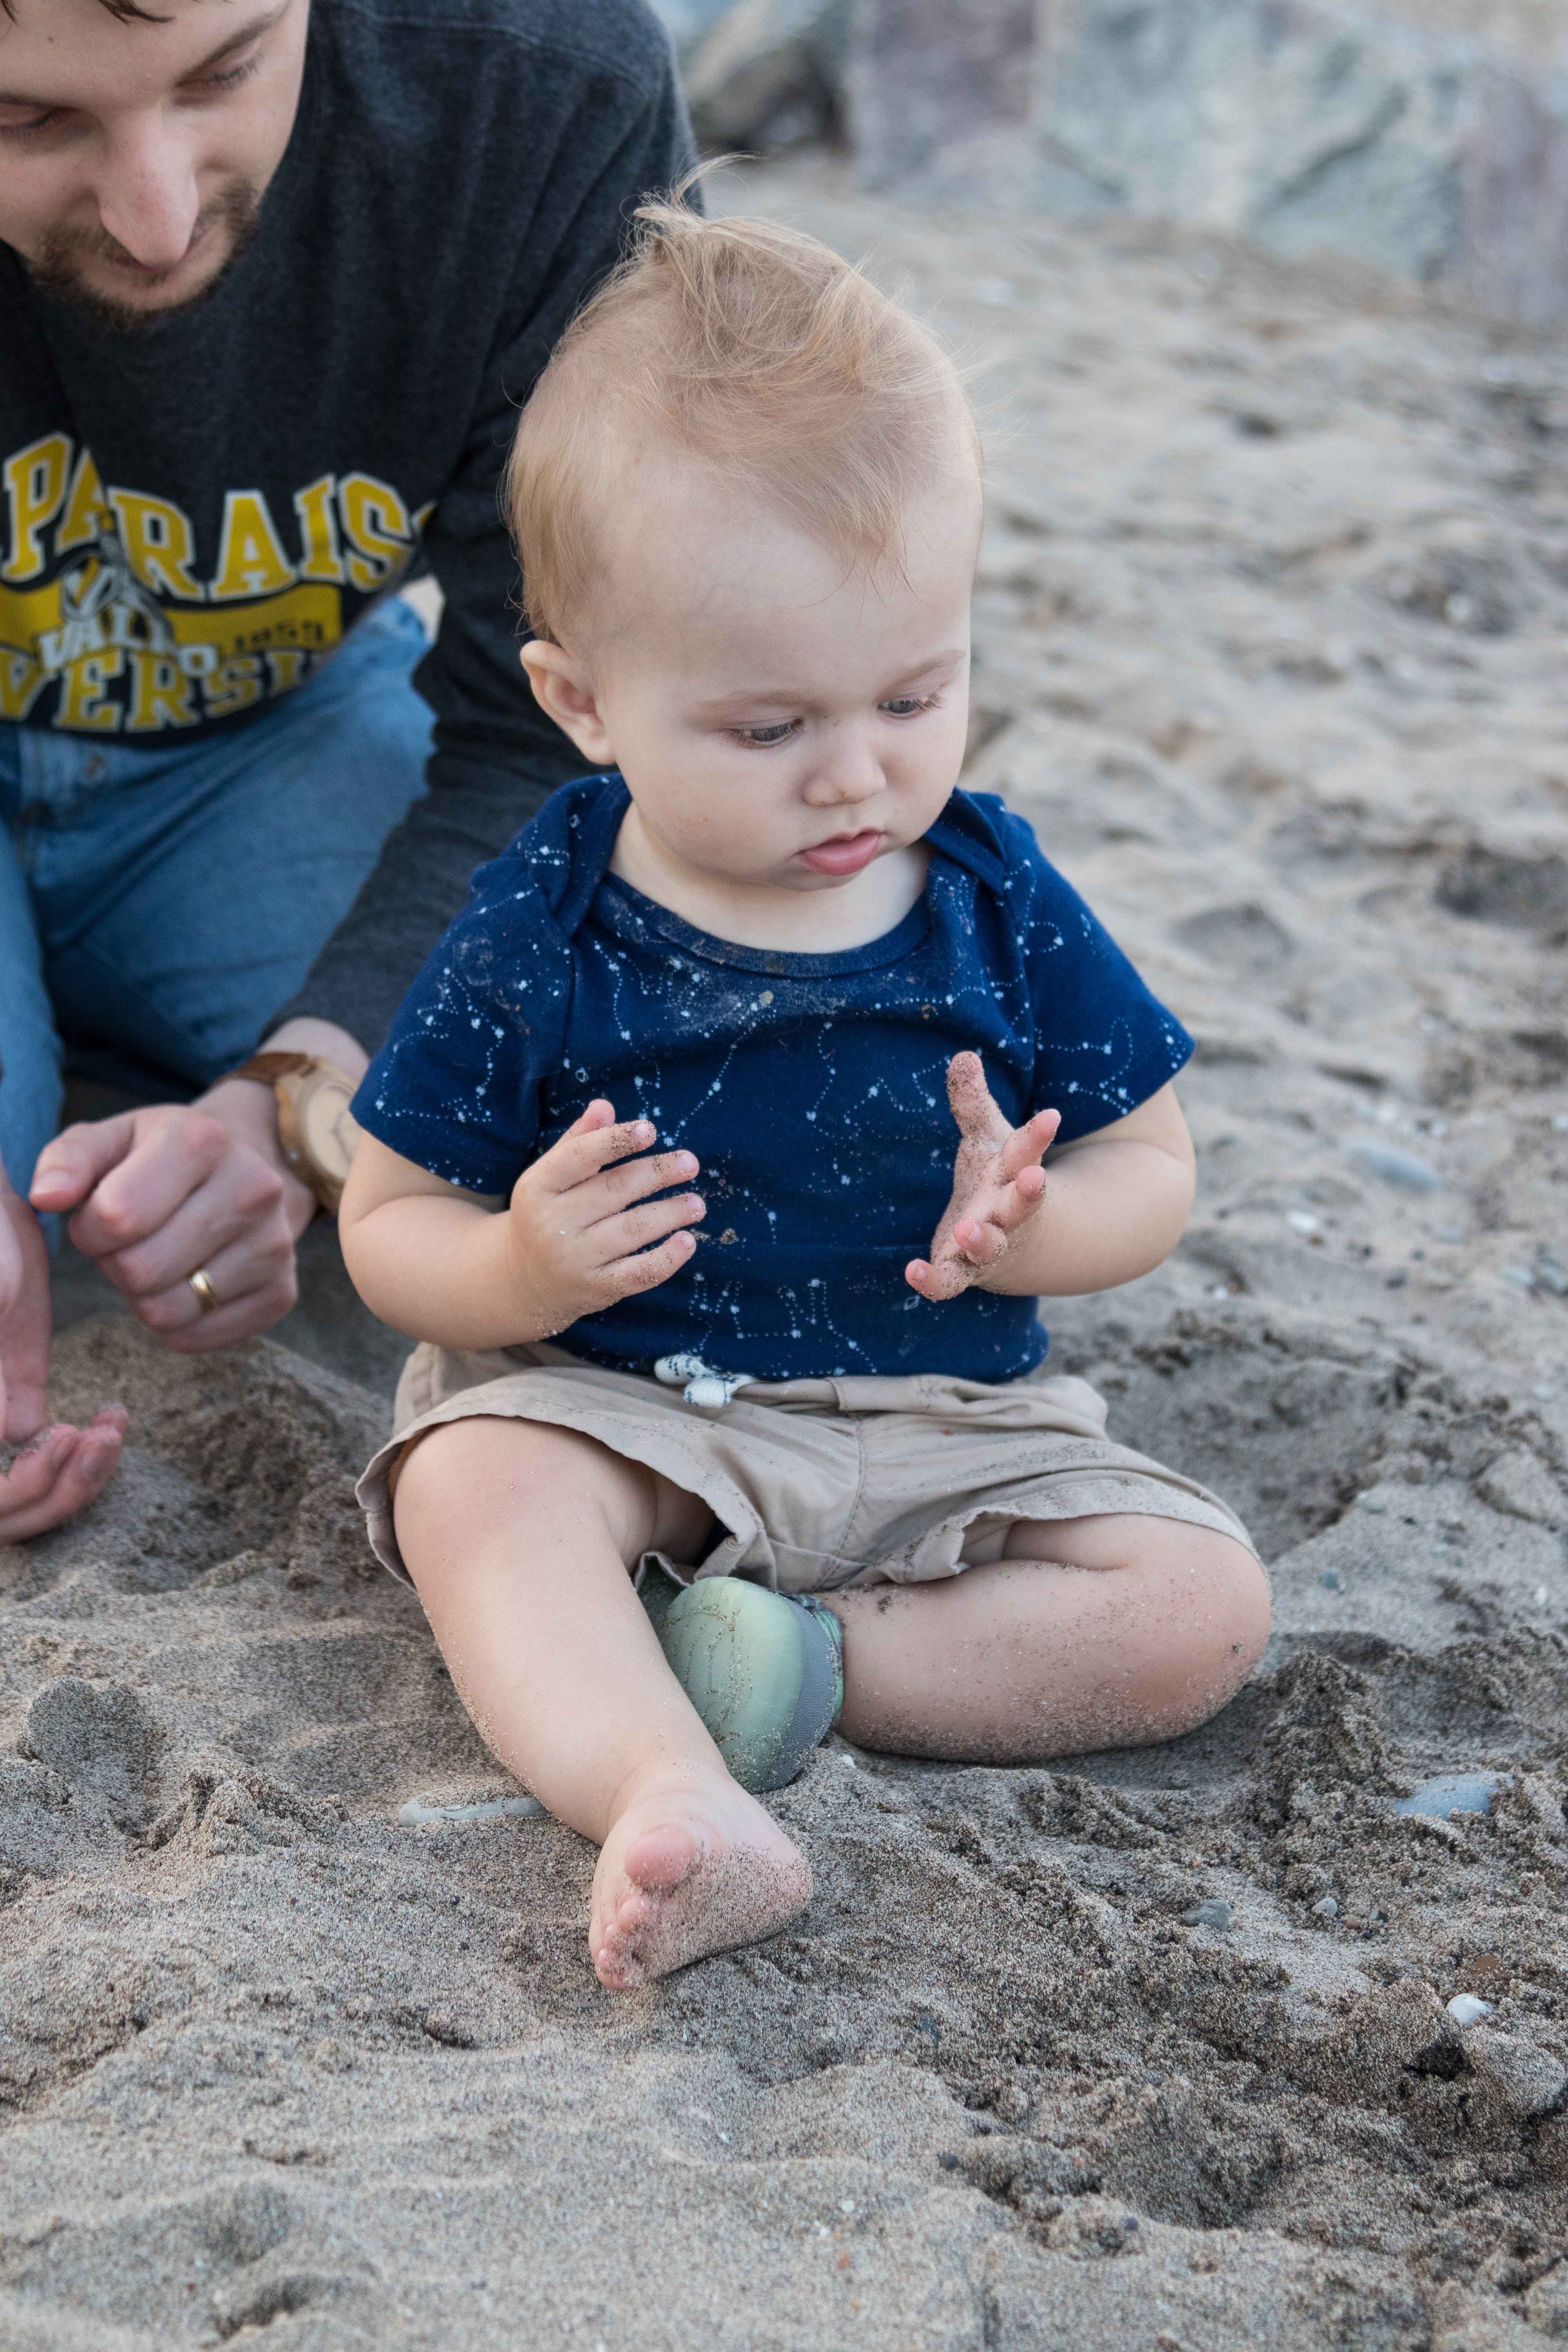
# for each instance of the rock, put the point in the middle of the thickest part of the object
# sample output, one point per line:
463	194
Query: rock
1518	1483
687	22
1466	2322
1452	1792
1215	1914
768	74
1522	2080
416	1812
1312	126
943	89
1396	1167
1316	128
1325	1907
1546	2304
1468	2009
1543	1805
1550	1274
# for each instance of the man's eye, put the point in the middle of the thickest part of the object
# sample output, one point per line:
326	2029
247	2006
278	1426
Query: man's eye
45	121
761	739
230	78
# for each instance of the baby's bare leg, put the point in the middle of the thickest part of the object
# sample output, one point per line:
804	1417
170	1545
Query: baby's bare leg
1098	1633
519	1536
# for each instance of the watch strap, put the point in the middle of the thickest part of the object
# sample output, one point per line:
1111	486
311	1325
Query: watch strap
266	1069
273	1070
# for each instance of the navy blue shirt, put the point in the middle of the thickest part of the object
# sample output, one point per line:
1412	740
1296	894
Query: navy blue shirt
813	1089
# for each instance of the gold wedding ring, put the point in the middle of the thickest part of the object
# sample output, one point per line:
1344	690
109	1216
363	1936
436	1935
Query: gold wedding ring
201	1283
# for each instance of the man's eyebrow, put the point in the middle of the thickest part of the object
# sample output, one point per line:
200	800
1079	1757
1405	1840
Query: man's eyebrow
226	49
238	41
779	692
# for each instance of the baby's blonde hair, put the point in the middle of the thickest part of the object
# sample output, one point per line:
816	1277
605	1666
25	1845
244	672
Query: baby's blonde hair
759	352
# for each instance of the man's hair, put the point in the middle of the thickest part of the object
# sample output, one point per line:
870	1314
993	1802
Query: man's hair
761	354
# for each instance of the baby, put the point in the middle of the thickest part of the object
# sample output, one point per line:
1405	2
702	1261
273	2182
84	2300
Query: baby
770	951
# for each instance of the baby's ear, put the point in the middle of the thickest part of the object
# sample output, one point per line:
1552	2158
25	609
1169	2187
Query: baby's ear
563	689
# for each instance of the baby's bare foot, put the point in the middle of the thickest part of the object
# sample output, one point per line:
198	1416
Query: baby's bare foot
687	1870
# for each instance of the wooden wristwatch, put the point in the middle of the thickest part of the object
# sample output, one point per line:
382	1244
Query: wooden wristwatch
315	1126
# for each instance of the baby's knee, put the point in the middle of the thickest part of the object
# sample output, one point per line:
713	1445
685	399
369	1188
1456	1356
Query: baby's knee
462	1469
1226	1614
1233	1586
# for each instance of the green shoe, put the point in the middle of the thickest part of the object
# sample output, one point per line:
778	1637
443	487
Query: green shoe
764	1670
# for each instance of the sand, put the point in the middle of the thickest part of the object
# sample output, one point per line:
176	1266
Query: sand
1269	636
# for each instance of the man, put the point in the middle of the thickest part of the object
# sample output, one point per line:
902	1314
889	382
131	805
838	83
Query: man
274	280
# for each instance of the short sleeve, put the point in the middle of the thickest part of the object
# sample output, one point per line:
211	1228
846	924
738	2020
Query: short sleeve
457	1086
1103	1041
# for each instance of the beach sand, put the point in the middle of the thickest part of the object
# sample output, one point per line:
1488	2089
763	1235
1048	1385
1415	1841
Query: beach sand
1270	652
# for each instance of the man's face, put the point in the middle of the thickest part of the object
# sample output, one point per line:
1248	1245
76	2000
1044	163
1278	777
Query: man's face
134	156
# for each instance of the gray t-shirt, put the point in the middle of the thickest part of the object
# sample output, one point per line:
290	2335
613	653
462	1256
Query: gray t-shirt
191	518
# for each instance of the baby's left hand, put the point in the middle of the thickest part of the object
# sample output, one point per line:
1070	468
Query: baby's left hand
998	1185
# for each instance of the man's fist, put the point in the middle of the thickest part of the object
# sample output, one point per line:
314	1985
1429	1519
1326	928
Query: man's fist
156	1195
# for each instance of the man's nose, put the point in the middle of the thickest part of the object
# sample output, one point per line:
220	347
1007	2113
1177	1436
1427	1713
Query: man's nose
847	770
148	197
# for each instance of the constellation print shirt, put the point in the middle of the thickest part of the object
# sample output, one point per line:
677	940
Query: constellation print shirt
813	1089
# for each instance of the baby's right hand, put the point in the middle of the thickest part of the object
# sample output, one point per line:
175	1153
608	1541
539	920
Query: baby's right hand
578	1239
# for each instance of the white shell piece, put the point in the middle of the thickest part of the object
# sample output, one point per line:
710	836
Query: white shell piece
415	1811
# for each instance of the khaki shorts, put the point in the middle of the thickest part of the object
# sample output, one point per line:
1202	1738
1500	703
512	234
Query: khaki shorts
820	1485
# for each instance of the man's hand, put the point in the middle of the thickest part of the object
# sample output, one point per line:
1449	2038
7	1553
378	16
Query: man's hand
578	1240
998	1185
60	1469
158	1193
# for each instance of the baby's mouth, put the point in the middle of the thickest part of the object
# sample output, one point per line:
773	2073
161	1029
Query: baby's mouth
847	852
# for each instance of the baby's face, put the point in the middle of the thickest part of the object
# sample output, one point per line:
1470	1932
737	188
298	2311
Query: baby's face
779	726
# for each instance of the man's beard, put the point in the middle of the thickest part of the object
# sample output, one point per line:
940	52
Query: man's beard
57	270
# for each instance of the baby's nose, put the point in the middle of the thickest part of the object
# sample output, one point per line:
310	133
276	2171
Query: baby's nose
848	770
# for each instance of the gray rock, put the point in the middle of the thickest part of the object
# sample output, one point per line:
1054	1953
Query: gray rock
1452	1792
689	22
1541	1803
1396	1167
1290	123
1325	1907
938	89
1519	1482
1312	126
1522	2081
1546	2304
768	74
1215	1912
1550	1273
416	1812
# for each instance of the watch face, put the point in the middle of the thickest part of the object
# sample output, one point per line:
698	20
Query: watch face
328	1129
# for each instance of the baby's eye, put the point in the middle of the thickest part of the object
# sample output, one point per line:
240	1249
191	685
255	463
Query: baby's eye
910	706
761	739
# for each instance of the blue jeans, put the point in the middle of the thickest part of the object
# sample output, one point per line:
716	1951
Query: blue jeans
156	907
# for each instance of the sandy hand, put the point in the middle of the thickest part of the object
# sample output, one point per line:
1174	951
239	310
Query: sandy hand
583	1230
998	1185
59	1469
